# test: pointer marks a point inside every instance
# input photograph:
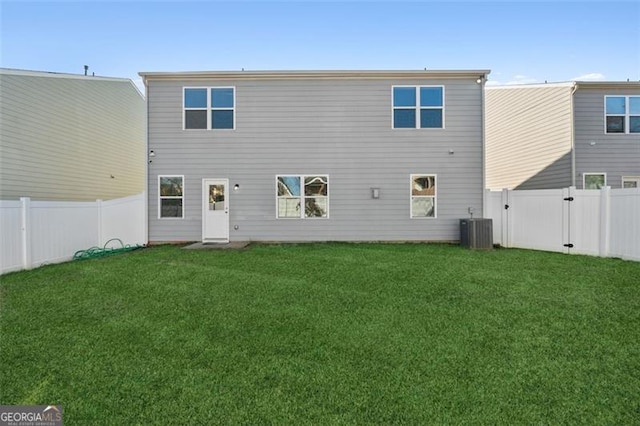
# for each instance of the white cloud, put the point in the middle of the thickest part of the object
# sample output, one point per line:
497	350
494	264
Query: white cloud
593	76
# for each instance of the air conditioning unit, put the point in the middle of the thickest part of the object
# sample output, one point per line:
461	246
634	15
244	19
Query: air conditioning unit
476	233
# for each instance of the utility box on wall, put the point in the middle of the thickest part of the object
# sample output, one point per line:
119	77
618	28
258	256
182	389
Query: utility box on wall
476	233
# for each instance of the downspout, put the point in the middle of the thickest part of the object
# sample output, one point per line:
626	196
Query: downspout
573	136
482	81
146	162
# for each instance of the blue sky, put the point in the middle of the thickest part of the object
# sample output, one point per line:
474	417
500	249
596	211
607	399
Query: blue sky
521	42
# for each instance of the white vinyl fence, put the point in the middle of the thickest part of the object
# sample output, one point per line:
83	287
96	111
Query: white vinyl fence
34	233
602	222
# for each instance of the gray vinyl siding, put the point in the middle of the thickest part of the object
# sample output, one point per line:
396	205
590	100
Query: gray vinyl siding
616	155
64	138
528	137
336	127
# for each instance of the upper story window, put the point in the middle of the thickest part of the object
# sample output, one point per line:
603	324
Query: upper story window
622	114
209	107
418	107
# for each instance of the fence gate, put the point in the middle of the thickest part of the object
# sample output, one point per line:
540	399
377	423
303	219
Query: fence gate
577	221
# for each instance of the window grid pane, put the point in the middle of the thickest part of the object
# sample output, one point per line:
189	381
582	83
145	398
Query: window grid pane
404	118
222	98
195	98
404	96
431	118
634	105
222	119
615	105
431	96
615	124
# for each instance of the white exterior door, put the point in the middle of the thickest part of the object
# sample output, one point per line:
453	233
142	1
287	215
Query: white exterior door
215	210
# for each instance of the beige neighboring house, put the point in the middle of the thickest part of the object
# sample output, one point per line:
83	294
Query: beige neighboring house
70	137
544	136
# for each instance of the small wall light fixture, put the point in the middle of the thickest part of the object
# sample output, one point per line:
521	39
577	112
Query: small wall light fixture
152	154
236	187
375	193
451	152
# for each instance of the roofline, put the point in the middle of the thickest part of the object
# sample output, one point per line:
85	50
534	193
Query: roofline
578	84
608	84
31	73
276	75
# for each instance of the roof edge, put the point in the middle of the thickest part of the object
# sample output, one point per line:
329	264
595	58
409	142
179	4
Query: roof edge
350	74
579	84
32	73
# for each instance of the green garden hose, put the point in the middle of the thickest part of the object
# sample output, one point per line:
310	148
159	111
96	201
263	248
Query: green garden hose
95	252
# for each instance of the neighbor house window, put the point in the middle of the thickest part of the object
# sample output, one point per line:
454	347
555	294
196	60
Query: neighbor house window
631	181
302	196
171	196
423	196
209	108
594	180
622	114
418	107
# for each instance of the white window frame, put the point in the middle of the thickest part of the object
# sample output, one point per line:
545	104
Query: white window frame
627	114
170	197
303	197
411	196
417	108
209	108
635	179
584	178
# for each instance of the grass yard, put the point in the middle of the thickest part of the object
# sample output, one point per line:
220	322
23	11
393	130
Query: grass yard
326	334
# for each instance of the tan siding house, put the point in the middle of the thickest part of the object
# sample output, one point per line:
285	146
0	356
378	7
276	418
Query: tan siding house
70	137
563	134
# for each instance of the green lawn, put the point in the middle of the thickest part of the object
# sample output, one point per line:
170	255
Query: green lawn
326	334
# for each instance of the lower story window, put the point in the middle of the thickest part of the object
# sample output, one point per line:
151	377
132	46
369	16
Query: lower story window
631	181
423	196
302	196
594	180
171	197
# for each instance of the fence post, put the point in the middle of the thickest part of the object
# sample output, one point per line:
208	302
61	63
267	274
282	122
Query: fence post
505	235
567	219
25	227
605	220
100	236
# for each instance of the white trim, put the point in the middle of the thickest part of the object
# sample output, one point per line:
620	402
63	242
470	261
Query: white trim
626	116
318	74
635	179
419	108
171	197
209	108
435	196
585	174
303	197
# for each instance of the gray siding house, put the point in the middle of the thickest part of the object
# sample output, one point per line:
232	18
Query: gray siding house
313	155
582	134
70	137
